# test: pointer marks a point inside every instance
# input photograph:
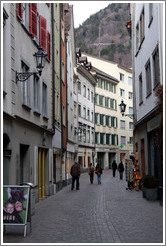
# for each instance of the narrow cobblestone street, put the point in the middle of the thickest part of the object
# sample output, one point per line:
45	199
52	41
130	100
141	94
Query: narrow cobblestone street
106	213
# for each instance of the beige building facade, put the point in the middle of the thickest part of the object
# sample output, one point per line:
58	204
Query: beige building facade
120	146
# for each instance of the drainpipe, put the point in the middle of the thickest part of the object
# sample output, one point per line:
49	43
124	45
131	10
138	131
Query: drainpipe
61	90
53	67
66	99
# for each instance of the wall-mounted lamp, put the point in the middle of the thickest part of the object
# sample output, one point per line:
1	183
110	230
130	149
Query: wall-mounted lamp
40	58
122	106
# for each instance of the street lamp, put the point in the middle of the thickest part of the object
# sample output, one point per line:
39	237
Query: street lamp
40	58
123	109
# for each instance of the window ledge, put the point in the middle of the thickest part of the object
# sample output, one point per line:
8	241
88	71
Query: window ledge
37	113
27	107
45	118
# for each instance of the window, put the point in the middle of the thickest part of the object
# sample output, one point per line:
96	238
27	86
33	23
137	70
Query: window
42	28
92	117
96	137
121	77
79	110
123	140
148	78
112	87
84	131
84	90
130	110
36	94
101	119
108	139
84	112
101	100
102	138
26	18
137	37
92	136
130	125
122	124
122	93
131	140
107	120
107	102
26	86
96	118
44	100
63	71
88	135
130	81
88	114
75	109
150	13
92	97
79	87
140	89
114	139
156	67
113	103
88	94
130	95
96	99
142	26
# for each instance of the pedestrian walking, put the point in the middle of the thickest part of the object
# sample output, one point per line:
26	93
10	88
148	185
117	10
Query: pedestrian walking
121	169
75	173
91	173
114	167
98	171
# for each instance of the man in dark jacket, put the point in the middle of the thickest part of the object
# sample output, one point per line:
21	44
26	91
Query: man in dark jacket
114	167
75	173
121	169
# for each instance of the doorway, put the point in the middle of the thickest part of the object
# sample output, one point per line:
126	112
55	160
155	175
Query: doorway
24	164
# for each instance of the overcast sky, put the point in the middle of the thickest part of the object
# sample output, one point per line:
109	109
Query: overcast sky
84	9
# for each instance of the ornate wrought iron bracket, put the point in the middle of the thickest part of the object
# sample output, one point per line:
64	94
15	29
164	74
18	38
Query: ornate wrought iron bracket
24	76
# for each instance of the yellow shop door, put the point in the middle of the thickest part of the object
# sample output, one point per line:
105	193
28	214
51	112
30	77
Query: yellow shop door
41	174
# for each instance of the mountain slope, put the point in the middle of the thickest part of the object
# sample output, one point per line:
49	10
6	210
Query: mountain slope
108	26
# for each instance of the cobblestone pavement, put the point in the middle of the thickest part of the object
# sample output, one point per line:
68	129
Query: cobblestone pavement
105	213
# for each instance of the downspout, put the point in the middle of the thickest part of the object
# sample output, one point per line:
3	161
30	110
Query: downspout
66	123
53	68
61	90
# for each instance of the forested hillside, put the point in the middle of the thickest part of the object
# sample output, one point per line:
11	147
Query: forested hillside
110	23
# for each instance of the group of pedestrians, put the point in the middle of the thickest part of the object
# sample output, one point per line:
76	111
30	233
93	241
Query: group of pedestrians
120	168
75	173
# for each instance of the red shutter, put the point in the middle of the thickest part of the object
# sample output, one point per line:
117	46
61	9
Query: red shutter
48	45
42	28
19	10
33	19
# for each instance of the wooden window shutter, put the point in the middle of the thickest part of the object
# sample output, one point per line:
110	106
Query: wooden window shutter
33	19
19	10
42	28
48	45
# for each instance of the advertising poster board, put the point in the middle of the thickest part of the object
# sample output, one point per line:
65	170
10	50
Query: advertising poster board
15	205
